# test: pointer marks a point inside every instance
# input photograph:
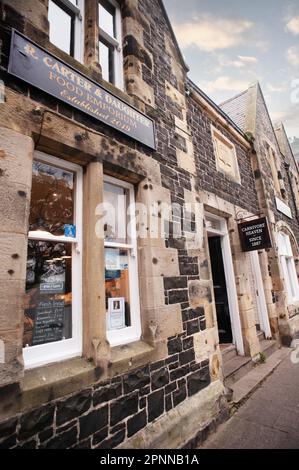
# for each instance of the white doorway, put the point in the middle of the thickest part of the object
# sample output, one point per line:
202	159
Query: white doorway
260	299
217	229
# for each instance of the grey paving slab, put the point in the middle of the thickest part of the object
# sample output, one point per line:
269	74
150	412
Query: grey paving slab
270	417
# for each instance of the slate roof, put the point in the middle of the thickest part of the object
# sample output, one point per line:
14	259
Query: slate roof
236	109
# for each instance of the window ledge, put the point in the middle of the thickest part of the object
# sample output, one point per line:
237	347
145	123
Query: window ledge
48	383
130	356
293	309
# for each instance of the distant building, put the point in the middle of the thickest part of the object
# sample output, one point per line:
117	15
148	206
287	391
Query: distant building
277	184
295	148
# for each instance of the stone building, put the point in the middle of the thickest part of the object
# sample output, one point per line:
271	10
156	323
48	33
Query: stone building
295	148
109	339
276	177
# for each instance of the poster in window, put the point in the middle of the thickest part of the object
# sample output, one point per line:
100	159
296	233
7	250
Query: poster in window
116	313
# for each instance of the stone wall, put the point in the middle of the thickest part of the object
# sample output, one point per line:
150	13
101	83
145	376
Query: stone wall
180	356
275	177
263	131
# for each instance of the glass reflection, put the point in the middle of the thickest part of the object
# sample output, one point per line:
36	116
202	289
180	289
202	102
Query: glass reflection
106	18
48	300
61	24
51	199
106	61
117	201
117	288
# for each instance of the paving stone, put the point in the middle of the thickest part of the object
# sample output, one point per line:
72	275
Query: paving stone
266	420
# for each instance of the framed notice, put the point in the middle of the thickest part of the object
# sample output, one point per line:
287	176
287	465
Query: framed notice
116	313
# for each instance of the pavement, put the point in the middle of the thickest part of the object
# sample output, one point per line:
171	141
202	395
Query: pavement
269	419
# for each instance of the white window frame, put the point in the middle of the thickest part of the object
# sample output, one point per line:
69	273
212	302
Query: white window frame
132	333
116	43
288	268
78	12
35	356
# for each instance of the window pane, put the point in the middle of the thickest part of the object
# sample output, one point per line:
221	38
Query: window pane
213	224
48	300
116	200
117	288
292	279
52	199
106	61
106	18
60	27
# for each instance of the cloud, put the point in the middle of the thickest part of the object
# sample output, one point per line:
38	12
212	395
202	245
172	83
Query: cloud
276	88
210	34
278	116
239	62
248	59
293	56
289	117
224	83
293	25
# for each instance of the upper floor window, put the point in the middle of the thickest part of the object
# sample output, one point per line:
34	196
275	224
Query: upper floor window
226	156
66	26
110	42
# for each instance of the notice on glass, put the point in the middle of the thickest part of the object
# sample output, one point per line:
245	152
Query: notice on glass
116	313
49	322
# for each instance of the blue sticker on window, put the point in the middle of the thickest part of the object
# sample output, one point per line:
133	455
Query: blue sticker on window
70	231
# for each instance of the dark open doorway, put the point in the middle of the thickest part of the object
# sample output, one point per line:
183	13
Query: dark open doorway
220	290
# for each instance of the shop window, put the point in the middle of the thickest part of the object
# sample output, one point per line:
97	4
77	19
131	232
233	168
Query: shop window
66	26
53	312
121	278
288	267
110	39
226	156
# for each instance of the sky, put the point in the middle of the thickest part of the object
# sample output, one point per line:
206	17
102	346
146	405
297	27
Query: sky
229	44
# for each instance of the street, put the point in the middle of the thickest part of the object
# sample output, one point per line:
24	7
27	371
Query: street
269	419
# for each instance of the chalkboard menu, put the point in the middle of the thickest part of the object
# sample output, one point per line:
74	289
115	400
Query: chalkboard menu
49	322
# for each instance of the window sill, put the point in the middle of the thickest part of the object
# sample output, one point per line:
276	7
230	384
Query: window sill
293	307
130	356
48	383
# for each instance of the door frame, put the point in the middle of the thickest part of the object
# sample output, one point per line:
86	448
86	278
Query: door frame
229	279
260	294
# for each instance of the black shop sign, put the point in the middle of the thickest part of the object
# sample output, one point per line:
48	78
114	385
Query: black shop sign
254	235
37	67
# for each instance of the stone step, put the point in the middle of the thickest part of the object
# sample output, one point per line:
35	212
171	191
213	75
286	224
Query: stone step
236	368
243	388
261	335
268	347
228	352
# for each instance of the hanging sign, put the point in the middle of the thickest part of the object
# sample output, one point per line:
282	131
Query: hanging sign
41	69
254	235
